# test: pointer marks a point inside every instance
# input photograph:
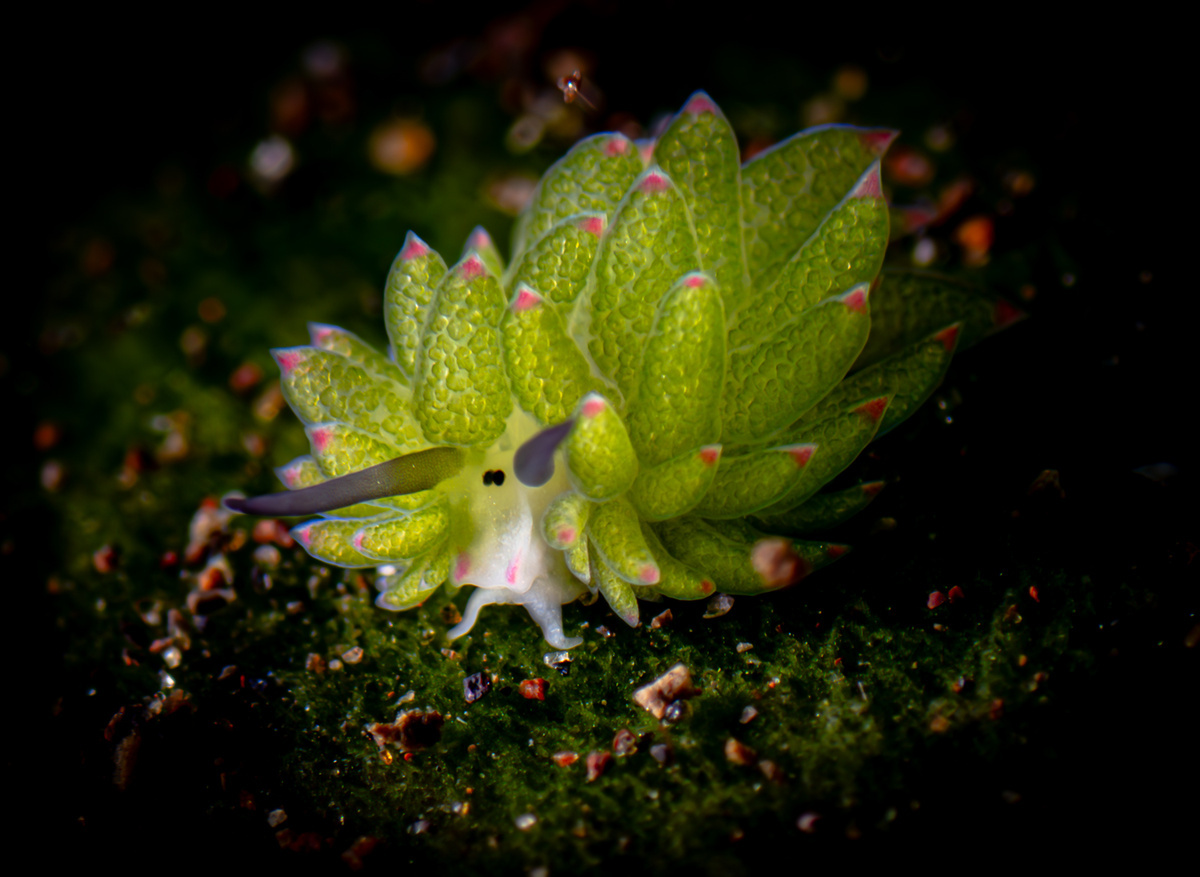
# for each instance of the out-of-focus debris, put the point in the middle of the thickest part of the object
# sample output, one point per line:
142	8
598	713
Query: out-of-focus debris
624	743
777	562
560	661
672	686
208	530
533	689
748	715
105	559
413	730
597	763
770	770
401	146
718	605
1048	484
476	686
353	856
661	619
738	752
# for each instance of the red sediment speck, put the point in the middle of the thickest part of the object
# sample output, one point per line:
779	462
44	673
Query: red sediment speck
533	689
872	487
514	566
956	594
526	299
801	454
617	146
1005	314
836	551
597	763
654	183
936	599
592	225
288	360
874	409
565	758
593	406
473	267
869	187
462	566
1033	592
414	248
856	300
877	142
649	574
700	103
948	336
695	280
709	454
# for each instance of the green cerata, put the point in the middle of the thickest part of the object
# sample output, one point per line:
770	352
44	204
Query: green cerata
681	352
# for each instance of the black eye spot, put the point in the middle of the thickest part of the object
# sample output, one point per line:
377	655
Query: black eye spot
487	477
498	477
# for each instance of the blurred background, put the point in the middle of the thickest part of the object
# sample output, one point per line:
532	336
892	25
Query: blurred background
189	198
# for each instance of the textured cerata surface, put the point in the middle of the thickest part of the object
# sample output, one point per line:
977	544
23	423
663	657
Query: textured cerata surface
714	338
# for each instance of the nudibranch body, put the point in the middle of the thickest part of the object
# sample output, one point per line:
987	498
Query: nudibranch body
682	351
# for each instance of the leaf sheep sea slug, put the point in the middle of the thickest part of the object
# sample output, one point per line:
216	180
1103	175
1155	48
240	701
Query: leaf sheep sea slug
681	352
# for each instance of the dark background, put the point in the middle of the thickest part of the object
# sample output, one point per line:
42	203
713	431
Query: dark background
1098	383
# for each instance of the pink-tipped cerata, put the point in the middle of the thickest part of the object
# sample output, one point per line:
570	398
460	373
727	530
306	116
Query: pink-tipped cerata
592	225
801	454
414	248
879	140
289	359
700	103
874	409
1005	314
654	183
617	146
856	300
526	300
869	186
948	336
472	267
321	438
